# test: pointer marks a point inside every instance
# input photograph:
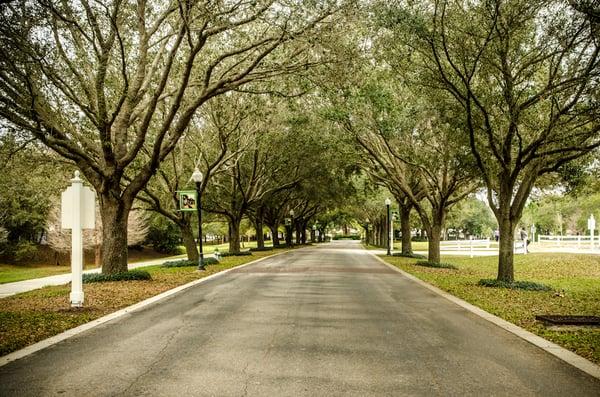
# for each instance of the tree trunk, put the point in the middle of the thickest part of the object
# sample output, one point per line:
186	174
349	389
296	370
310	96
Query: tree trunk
506	251
234	235
303	233
405	229
433	254
313	235
298	233
114	215
274	235
260	237
189	241
288	235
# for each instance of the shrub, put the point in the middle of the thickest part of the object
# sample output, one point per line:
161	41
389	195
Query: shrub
124	276
164	236
25	250
261	249
347	237
522	285
241	253
414	256
435	264
189	263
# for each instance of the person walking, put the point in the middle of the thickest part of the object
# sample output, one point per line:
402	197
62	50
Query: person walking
524	239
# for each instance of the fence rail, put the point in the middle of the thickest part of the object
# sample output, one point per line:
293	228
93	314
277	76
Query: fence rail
465	245
569	241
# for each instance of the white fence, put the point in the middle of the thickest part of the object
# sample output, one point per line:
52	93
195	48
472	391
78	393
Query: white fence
465	245
472	246
584	242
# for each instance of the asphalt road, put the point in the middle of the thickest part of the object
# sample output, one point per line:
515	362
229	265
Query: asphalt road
315	322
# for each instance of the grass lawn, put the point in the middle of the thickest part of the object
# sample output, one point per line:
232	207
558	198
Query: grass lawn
575	280
12	273
36	315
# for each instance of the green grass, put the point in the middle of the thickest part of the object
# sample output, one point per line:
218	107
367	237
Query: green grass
13	273
574	279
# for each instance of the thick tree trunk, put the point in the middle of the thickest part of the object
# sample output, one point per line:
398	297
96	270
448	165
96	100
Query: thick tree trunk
189	241
405	229
260	237
433	254
288	236
506	251
274	235
303	233
114	215
234	235
434	233
298	233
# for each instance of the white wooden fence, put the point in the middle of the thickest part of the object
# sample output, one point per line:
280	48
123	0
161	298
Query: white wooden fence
583	242
465	245
477	245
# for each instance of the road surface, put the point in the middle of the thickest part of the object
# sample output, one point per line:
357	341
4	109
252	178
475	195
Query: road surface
325	321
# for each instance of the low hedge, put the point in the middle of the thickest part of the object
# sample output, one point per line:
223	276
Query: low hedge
436	265
414	256
522	285
347	237
241	253
189	263
261	249
124	276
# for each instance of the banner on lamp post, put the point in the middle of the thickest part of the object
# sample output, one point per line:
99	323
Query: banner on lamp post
188	200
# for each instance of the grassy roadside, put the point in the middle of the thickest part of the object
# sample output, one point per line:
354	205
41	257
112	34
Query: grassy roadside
36	315
12	273
575	280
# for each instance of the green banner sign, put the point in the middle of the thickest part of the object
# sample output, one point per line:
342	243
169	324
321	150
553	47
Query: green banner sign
188	200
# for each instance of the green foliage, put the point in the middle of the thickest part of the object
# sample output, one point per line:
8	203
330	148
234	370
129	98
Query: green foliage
186	262
24	250
164	236
436	265
261	249
124	276
241	253
523	285
348	237
473	217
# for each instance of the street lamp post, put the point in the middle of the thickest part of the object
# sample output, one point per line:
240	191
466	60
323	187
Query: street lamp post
291	228
388	202
197	178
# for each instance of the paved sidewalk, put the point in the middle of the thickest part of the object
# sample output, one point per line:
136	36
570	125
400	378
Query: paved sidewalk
18	287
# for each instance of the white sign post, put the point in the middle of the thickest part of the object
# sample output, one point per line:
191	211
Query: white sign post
591	226
78	212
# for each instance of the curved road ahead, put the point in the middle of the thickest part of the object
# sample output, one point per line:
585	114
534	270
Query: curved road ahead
319	321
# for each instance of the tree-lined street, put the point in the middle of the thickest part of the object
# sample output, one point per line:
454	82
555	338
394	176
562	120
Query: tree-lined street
330	320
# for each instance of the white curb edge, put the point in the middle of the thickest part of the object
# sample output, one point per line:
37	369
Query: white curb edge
566	355
26	351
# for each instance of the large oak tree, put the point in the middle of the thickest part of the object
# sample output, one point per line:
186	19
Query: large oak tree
100	82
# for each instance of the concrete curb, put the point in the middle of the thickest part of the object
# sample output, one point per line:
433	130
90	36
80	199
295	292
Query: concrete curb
26	351
560	352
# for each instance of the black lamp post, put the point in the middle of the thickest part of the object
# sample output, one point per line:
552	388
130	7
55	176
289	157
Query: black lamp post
292	226
387	204
197	177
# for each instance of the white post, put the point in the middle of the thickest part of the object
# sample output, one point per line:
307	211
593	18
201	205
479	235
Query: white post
77	213
76	245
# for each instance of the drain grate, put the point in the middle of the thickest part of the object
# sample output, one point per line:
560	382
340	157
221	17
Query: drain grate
569	320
